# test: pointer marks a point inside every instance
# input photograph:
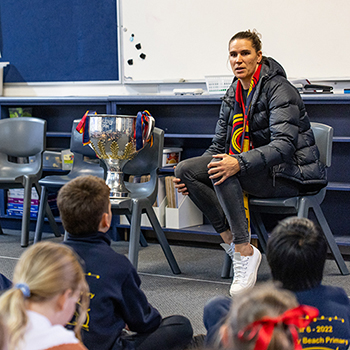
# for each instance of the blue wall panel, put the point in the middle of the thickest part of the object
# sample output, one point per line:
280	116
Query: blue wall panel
65	40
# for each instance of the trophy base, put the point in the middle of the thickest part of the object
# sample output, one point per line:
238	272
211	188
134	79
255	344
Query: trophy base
116	184
117	194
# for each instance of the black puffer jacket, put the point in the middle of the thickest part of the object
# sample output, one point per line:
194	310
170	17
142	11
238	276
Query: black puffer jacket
279	128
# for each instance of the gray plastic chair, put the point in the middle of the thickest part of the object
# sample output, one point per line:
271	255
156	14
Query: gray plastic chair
142	197
80	168
22	138
299	206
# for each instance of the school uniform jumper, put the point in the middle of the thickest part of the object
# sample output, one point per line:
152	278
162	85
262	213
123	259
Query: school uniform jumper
330	331
116	300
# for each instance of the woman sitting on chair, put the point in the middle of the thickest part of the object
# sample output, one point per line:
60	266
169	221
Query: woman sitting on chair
263	145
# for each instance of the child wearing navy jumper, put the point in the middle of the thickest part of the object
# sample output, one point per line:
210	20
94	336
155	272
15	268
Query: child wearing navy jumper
296	253
117	304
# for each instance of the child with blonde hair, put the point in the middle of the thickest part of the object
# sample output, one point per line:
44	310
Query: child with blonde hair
265	318
48	282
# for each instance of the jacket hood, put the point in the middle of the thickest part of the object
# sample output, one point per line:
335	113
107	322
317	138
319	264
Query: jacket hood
269	69
273	68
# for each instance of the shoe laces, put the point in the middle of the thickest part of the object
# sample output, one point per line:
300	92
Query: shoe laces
240	268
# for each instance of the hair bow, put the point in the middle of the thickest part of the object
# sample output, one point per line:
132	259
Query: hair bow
298	317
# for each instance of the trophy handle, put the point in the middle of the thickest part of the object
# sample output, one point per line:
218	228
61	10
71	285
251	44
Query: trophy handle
151	123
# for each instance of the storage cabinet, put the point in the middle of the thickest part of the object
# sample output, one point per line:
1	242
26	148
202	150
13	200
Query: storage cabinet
189	122
58	112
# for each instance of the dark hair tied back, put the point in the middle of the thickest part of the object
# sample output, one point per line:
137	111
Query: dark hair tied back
253	36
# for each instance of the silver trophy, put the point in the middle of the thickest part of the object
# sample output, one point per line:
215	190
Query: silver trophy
113	139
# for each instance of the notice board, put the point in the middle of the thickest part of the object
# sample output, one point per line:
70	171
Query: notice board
53	41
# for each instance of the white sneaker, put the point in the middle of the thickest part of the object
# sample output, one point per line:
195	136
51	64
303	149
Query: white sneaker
245	269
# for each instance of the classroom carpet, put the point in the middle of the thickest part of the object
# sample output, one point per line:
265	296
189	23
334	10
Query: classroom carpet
184	294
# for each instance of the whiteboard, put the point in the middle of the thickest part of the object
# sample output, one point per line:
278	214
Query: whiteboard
188	39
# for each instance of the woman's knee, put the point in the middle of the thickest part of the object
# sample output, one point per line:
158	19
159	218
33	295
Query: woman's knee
183	168
193	168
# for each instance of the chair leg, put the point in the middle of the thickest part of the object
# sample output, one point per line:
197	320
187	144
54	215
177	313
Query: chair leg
52	221
259	229
330	239
41	215
304	206
135	230
163	241
226	267
26	212
143	241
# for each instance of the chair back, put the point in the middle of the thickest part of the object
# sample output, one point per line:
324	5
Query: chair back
22	137
324	139
76	142
146	162
80	166
149	158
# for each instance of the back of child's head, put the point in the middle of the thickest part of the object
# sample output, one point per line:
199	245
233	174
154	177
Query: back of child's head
296	253
257	320
81	203
44	271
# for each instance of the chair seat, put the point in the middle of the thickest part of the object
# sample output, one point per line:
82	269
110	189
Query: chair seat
122	203
54	181
274	202
13	177
137	191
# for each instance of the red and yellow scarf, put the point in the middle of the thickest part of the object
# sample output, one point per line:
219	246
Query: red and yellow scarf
240	137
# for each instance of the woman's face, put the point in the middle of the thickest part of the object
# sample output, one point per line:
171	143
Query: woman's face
244	60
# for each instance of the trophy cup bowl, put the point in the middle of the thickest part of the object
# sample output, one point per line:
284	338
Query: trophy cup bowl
113	139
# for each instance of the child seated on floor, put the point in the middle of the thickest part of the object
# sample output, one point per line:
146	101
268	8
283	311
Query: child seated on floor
117	302
265	317
296	253
48	281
